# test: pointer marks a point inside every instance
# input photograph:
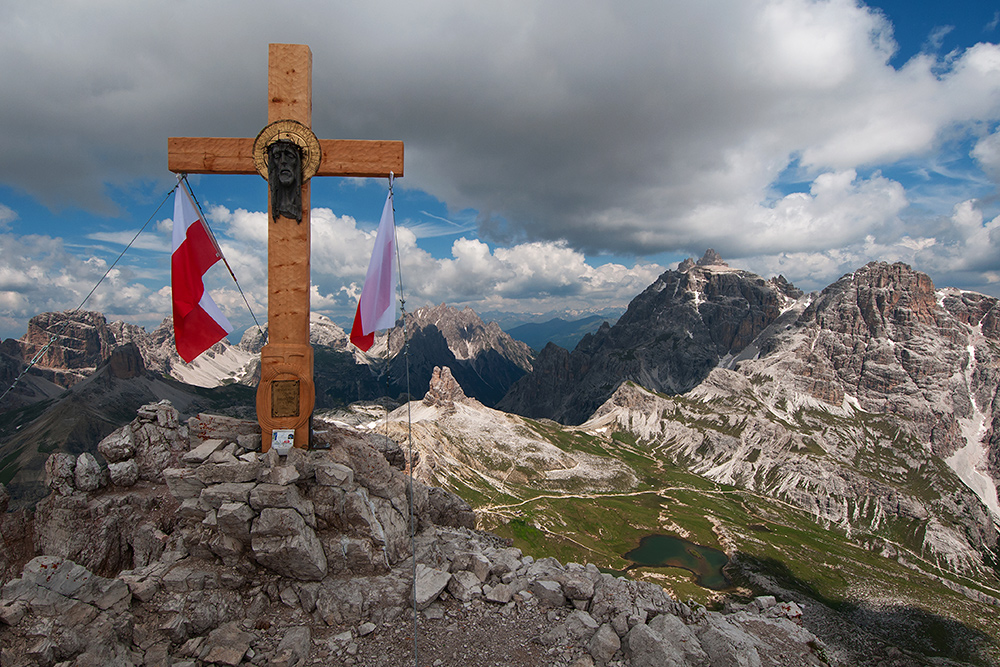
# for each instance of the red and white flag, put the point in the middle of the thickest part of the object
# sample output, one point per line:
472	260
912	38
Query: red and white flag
198	322
377	307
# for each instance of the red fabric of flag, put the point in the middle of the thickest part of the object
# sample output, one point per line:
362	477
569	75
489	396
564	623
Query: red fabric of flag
198	322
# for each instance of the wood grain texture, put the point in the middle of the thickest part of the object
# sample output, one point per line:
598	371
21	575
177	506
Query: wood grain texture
210	155
341	157
359	158
289	83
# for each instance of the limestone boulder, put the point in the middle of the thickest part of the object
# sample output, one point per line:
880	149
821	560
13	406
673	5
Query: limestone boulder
429	584
603	645
119	446
282	542
646	648
60	473
123	473
87	473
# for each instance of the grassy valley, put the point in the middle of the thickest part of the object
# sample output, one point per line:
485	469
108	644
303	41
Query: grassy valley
871	575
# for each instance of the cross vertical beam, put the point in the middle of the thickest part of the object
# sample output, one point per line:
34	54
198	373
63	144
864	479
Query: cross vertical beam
286	361
286	393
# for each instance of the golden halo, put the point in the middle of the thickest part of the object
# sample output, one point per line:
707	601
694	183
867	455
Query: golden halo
288	130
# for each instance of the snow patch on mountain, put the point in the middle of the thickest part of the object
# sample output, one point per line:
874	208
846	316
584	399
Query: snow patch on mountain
212	368
969	461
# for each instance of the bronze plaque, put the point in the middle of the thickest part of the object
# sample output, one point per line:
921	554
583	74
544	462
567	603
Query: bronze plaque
285	398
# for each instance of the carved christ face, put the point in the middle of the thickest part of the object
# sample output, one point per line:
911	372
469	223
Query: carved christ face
285	179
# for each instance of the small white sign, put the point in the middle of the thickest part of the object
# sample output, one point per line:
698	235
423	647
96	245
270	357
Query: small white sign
282	440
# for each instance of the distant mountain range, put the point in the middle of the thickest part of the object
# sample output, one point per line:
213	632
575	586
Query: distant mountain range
835	443
872	403
564	333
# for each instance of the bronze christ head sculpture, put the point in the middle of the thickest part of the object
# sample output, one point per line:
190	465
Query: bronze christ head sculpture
284	169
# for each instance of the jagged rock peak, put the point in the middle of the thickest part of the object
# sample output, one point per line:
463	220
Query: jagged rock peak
322	331
126	362
788	289
467	336
710	258
444	390
878	298
83	339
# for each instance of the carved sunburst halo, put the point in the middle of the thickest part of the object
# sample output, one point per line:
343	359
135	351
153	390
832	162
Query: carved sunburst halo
288	130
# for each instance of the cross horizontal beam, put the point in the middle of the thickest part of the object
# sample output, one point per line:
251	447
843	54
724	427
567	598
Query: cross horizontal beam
341	157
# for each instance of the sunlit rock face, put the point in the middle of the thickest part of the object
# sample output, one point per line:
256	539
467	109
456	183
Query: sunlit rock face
672	335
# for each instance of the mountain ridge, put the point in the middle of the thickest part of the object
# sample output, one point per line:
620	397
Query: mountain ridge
669	338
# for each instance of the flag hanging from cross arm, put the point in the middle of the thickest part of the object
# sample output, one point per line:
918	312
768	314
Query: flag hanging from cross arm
198	322
377	307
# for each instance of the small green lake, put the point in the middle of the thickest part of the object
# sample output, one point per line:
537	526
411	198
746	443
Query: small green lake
668	551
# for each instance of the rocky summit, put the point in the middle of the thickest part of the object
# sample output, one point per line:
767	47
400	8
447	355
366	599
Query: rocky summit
672	335
484	359
193	548
872	404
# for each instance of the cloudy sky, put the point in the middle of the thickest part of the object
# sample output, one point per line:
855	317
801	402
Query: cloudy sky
559	155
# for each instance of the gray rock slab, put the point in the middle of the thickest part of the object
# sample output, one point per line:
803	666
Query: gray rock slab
282	542
548	592
201	453
581	625
183	483
280	475
238	471
464	585
57	574
429	584
87	472
329	473
603	645
501	594
124	473
59	473
233	519
296	644
577	586
118	446
646	648
227	645
682	636
216	495
727	644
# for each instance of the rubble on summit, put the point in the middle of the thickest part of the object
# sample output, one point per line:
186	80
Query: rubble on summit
194	548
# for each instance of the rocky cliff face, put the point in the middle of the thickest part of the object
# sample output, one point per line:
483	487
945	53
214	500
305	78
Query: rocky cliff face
669	339
482	357
885	339
871	405
882	340
80	341
84	340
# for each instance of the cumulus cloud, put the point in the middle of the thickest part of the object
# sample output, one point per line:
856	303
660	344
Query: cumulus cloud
521	111
987	153
520	278
523	277
777	131
966	251
839	210
7	214
38	274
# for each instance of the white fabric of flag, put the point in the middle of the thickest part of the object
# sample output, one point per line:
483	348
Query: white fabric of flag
377	307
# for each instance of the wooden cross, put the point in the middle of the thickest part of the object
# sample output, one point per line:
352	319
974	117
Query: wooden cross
286	394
